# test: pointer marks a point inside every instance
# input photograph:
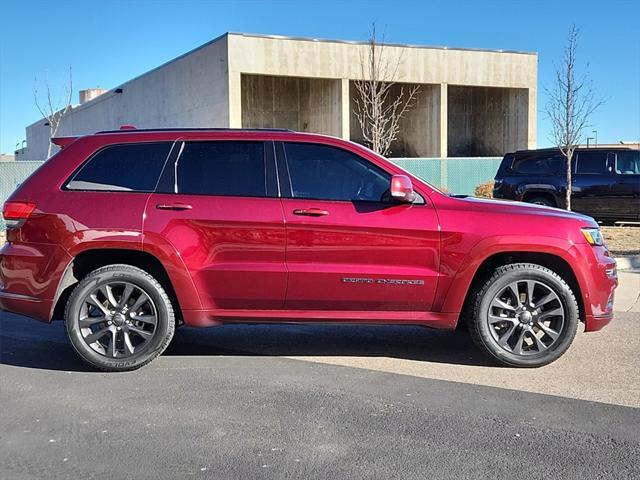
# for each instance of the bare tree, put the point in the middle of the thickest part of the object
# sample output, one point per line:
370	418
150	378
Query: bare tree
378	110
54	111
571	102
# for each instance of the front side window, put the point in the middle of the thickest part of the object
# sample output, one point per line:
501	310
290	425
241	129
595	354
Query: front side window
222	168
591	162
327	173
628	163
131	167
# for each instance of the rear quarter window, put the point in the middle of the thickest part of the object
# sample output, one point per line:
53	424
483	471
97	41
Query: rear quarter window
129	167
538	165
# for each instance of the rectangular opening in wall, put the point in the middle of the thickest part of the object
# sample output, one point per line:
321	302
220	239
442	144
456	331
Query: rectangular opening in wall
419	134
300	104
486	121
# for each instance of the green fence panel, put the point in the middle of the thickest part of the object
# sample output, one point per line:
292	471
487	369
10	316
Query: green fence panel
12	174
456	175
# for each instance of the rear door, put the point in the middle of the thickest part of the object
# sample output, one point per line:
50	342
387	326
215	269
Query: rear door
349	247
217	204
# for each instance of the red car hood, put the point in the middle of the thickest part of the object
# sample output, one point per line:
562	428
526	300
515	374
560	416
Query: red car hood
521	208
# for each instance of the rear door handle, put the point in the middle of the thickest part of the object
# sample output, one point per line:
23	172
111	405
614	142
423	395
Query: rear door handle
310	212
173	206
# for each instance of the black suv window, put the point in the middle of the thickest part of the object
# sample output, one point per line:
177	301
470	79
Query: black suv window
538	165
127	167
222	168
628	163
591	162
327	173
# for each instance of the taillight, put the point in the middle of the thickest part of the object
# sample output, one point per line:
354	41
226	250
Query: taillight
15	213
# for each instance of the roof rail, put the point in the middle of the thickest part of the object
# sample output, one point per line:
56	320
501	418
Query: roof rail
131	129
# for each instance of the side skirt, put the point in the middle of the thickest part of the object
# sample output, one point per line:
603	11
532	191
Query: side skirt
208	318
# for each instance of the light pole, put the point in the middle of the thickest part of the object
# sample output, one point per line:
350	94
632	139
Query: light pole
595	134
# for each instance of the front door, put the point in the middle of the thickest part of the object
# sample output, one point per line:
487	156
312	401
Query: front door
591	184
349	246
219	209
626	189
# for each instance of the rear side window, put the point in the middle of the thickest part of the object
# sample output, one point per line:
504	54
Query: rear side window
326	173
591	162
132	167
222	168
538	165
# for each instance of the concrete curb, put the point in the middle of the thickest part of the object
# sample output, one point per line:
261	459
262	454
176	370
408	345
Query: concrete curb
630	262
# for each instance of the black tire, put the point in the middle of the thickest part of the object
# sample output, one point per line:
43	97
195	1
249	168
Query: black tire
547	202
547	284
151	336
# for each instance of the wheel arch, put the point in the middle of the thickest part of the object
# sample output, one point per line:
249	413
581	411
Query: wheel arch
529	194
88	260
553	262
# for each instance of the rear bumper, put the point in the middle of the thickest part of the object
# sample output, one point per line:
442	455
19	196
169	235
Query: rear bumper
27	306
29	277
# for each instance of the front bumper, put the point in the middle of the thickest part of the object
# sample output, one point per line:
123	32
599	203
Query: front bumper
598	282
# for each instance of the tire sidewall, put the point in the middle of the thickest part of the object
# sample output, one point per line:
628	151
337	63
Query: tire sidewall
101	277
566	335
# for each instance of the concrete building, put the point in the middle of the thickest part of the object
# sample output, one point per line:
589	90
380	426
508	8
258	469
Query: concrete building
471	102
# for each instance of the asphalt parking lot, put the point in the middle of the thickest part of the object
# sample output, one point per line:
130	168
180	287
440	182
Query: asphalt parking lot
322	402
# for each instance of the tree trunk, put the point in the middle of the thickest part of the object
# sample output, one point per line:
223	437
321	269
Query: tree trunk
569	188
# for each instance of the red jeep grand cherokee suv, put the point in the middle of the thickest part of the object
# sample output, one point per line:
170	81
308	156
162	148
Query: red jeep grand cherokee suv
127	234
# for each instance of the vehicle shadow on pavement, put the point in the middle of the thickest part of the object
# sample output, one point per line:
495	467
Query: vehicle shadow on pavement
404	342
31	344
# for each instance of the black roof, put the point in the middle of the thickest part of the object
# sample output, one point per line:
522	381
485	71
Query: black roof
555	149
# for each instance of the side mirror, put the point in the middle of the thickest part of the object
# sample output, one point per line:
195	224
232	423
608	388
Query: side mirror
402	189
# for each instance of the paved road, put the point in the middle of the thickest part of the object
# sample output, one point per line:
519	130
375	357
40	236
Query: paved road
286	402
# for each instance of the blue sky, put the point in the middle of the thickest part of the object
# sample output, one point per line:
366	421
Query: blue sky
110	42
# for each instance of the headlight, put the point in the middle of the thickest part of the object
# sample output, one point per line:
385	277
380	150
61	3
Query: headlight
593	236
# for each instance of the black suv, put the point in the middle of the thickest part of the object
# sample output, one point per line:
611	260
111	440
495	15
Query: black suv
605	181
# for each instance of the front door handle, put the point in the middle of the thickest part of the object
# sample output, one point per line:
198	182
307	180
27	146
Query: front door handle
173	206
310	212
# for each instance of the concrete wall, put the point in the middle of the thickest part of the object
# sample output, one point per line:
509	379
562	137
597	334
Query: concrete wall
425	130
486	121
419	134
248	80
301	104
190	91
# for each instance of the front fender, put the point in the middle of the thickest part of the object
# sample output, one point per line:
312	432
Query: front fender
452	292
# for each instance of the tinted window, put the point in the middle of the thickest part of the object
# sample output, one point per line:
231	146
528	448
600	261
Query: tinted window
628	163
329	173
591	162
222	168
132	167
539	165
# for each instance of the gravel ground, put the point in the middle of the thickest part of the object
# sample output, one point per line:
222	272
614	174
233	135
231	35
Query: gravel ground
622	240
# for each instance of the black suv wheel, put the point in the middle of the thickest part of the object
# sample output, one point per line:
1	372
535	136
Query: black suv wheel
119	318
525	315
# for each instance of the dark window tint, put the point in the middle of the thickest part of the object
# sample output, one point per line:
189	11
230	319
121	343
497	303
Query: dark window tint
132	167
222	168
538	165
591	162
328	173
628	163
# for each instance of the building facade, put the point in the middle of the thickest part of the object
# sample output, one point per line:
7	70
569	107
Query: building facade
470	102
